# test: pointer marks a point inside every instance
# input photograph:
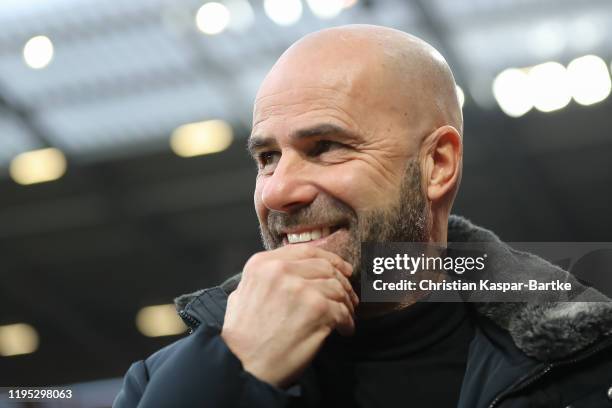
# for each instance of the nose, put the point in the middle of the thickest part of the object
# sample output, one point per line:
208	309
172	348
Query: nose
291	185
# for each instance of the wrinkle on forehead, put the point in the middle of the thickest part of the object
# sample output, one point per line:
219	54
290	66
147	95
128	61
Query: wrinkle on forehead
380	70
298	100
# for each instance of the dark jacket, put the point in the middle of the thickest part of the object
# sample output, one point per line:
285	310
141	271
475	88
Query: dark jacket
557	354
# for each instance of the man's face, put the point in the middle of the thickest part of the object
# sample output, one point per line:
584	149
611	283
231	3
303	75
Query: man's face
334	171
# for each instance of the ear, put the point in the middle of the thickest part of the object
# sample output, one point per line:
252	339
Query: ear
444	151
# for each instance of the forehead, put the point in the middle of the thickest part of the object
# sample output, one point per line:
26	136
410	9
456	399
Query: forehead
303	104
294	97
322	83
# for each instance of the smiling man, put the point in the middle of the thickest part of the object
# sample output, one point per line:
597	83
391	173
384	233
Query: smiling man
357	134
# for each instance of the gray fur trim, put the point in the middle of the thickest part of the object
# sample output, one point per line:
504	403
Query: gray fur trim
546	331
555	331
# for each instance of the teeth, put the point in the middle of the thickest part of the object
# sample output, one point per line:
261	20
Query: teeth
308	235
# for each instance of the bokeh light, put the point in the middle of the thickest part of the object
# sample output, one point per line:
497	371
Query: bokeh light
38	52
512	92
589	79
212	18
549	86
283	12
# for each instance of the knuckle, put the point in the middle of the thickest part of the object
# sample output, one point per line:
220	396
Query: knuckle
255	258
338	289
276	269
262	269
270	275
294	286
271	270
328	267
344	313
308	251
317	304
252	263
337	285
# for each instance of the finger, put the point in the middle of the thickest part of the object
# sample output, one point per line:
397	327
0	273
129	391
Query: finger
322	268
313	269
332	289
346	284
306	251
342	320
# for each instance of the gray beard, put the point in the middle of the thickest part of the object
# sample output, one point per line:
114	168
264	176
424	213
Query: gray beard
405	221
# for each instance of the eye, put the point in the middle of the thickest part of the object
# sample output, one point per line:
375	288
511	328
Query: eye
323	146
266	159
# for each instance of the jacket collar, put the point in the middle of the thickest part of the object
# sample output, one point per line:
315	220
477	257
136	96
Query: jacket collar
547	332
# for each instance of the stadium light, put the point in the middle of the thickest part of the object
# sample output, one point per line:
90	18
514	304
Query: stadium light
550	87
159	320
325	8
17	339
38	52
198	138
212	18
283	12
38	166
589	79
512	92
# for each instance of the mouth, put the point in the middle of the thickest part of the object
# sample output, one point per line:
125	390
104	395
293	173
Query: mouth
307	234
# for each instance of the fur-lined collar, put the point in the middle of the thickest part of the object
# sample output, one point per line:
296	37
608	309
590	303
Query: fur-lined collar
547	331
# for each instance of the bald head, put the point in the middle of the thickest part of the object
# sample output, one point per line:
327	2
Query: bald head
385	68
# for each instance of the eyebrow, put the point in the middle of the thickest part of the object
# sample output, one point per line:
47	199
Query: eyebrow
256	142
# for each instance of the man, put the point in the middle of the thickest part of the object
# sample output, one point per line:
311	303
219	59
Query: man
357	133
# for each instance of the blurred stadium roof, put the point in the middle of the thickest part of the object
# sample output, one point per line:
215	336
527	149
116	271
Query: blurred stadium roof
125	74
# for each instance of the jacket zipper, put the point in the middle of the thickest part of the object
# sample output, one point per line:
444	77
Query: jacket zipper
191	321
531	378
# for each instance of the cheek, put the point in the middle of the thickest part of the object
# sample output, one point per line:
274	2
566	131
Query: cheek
260	208
360	187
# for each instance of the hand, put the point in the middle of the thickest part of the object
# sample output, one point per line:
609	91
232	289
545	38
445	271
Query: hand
288	301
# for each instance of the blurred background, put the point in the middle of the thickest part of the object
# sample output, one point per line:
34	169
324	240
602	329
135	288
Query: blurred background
124	179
